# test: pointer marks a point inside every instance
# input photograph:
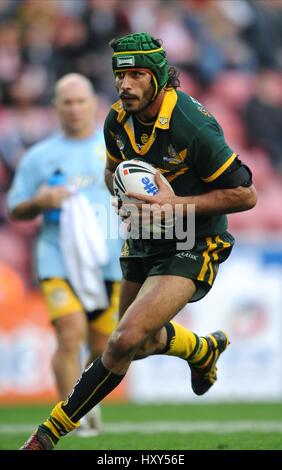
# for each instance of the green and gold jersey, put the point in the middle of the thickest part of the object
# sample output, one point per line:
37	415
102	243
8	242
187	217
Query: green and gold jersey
185	143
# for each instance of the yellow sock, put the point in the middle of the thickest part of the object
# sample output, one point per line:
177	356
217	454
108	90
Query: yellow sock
59	423
201	356
184	343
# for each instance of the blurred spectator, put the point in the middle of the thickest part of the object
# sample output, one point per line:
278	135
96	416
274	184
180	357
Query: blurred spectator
30	12
70	45
8	9
264	32
104	20
169	26
30	87
144	13
263	116
11	149
216	27
10	57
71	8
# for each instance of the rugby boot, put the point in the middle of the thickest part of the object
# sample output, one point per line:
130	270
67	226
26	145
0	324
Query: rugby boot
39	440
203	373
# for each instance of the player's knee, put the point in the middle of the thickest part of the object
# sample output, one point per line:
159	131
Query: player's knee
123	342
70	340
97	350
97	342
67	346
71	331
148	347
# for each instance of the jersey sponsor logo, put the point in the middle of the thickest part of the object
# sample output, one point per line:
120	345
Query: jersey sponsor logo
144	138
204	111
195	101
201	108
126	61
149	187
187	254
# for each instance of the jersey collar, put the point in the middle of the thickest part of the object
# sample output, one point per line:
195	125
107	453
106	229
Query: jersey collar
162	121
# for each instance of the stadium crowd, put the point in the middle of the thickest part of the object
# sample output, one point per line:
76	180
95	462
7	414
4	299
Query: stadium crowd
229	53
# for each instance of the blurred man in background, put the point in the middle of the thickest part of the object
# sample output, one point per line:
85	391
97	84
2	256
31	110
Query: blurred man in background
263	116
76	158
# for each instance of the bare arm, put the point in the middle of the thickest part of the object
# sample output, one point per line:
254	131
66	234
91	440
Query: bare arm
26	210
217	201
109	172
222	201
47	197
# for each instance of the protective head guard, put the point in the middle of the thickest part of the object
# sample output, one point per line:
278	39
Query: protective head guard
141	51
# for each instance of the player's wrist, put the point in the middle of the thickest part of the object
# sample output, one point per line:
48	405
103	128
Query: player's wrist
39	203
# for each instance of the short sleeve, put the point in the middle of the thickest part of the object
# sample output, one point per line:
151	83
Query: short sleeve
112	150
210	154
24	185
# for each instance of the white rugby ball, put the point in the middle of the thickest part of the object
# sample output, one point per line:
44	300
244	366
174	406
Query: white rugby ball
136	176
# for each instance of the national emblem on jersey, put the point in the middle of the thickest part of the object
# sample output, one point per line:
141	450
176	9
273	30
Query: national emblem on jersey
163	120
174	160
119	142
173	156
125	250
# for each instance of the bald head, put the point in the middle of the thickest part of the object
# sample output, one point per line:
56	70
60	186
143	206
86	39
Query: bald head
73	79
75	104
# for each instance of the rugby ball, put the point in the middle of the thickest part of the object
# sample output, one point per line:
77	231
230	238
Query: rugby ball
136	176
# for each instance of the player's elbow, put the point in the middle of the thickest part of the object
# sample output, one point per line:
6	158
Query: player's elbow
249	198
13	214
18	213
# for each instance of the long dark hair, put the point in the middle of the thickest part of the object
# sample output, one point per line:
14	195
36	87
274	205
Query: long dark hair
173	77
173	73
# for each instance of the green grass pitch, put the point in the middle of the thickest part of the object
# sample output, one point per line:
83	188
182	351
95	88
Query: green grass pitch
243	426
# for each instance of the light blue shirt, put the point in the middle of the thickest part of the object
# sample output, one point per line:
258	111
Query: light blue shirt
82	161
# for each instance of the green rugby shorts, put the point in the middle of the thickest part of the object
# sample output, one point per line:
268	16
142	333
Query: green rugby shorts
142	258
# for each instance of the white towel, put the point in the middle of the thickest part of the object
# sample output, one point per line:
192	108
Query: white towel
84	250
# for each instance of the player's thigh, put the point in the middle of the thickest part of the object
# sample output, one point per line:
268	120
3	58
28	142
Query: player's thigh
159	299
103	322
71	330
128	293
